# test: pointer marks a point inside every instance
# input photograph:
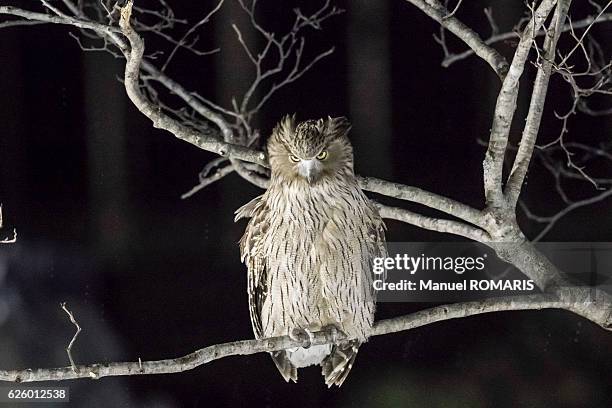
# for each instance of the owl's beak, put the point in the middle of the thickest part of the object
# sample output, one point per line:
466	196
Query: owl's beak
309	169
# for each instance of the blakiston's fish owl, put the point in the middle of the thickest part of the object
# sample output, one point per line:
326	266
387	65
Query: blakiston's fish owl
309	247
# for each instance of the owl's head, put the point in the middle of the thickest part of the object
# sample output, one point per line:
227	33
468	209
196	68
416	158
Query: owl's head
310	150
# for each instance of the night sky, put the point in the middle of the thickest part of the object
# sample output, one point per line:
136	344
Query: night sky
94	192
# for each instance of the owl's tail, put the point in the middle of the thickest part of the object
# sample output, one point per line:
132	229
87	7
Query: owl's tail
338	364
335	367
284	365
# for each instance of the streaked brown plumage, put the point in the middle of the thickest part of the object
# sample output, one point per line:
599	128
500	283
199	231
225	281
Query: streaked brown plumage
309	247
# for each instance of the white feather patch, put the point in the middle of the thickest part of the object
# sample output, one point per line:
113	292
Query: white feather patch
301	357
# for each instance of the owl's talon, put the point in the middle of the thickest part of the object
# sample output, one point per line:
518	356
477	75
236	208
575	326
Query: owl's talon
333	332
303	336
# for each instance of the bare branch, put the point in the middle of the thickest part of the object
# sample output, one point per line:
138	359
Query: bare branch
452	13
198	104
536	105
182	41
434	224
76	334
560	170
505	107
225	148
592	304
65	20
207	176
287	46
441	40
494	28
488	225
295	74
551	220
439	13
498	229
417	195
234	151
584	34
162	121
52	8
594	80
511	35
18	23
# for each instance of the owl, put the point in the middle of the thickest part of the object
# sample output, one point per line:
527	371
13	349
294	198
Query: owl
309	247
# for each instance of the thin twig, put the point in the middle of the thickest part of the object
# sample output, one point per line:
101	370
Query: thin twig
76	334
439	13
552	220
452	13
511	35
183	39
208	180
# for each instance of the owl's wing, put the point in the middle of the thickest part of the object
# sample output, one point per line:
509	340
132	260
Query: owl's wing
251	253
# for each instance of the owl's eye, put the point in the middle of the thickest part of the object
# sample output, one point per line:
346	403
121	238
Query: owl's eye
322	155
294	159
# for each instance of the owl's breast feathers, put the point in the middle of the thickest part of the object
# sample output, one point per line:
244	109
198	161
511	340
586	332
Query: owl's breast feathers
309	252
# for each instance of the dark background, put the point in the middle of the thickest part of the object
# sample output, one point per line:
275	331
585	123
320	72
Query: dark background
94	192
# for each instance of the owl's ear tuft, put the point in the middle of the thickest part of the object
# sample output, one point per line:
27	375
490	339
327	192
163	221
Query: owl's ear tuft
337	127
286	127
287	124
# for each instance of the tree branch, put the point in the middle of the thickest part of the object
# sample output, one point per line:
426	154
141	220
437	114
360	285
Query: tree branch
552	220
417	195
494	228
133	50
505	107
439	13
451	58
163	121
434	224
30	16
536	105
592	304
74	337
160	120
